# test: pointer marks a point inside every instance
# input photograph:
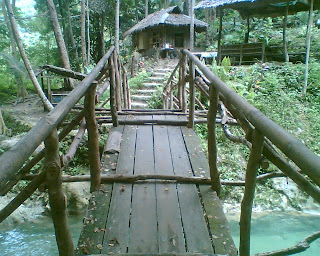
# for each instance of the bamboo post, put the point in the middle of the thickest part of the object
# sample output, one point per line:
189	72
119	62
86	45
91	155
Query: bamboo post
192	94
113	107
93	138
124	88
247	201
284	34
183	85
117	81
57	198
212	144
308	41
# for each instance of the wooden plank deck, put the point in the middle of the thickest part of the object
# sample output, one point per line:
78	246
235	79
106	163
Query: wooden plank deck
156	217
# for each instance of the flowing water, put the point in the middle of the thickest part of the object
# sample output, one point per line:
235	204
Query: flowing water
35	239
275	231
270	231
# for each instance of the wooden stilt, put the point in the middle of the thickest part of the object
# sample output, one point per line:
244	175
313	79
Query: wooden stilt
247	201
212	144
57	198
93	138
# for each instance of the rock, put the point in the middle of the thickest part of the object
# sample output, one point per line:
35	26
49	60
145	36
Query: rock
10	141
78	194
29	211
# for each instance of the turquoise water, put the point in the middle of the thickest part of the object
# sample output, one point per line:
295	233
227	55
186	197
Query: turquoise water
270	232
34	238
274	231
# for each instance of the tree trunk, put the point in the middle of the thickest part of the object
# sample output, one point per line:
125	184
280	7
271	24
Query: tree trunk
117	28
220	36
246	38
33	78
65	35
146	8
192	25
3	129
22	92
284	34
308	40
73	42
88	34
83	34
59	38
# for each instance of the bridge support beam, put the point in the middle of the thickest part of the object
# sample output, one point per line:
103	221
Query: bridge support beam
93	137
247	201
57	199
212	144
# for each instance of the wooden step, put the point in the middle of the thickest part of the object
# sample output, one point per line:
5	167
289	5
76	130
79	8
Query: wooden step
141	97
152	85
146	91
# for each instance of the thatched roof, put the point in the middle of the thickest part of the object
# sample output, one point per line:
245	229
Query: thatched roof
260	8
168	17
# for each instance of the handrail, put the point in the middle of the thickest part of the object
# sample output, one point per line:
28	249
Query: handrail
14	158
308	161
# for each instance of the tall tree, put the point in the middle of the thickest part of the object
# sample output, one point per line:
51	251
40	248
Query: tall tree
21	92
308	41
73	42
146	8
23	54
83	34
117	25
59	38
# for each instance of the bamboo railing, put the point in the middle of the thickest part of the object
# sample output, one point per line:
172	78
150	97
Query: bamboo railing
265	139
15	164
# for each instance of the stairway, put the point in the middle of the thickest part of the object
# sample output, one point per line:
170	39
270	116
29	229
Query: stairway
140	97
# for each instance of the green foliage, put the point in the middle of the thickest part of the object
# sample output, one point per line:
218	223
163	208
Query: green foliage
15	126
221	71
137	81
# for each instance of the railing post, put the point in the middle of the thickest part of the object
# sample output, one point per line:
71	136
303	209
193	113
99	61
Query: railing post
113	107
171	96
192	93
57	198
247	201
117	80
212	144
183	84
93	138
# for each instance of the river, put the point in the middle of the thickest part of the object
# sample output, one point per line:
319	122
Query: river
270	231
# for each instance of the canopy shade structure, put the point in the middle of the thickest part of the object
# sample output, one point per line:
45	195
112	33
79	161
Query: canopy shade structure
172	16
260	8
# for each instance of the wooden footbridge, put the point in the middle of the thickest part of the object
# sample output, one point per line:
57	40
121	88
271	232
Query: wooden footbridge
154	192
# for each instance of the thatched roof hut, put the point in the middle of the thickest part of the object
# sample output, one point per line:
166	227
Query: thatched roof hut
171	16
260	8
165	27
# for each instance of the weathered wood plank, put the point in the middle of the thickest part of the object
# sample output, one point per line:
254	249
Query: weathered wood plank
91	237
117	226
171	238
221	237
143	223
195	228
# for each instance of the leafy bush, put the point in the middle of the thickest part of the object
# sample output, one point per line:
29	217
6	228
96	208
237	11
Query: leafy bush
137	81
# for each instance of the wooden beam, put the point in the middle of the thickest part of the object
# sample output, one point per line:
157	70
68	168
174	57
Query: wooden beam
12	160
57	199
247	201
192	94
93	138
308	161
212	144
